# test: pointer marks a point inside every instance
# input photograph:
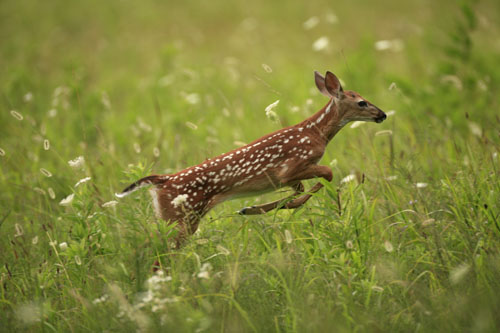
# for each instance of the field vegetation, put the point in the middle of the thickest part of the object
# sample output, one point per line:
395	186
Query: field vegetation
96	94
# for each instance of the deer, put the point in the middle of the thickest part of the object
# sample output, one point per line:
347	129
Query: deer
282	159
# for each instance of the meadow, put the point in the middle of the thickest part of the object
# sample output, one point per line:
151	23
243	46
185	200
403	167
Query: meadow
95	95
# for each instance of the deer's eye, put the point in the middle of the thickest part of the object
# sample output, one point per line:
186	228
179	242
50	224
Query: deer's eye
362	103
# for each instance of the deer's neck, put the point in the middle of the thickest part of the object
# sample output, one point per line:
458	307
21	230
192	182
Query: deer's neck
327	121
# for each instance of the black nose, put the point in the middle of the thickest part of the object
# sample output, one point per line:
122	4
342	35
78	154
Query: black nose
381	117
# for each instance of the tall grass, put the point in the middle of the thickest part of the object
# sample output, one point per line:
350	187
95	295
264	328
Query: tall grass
408	242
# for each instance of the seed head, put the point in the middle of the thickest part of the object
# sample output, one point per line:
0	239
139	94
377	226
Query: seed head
46	172
16	115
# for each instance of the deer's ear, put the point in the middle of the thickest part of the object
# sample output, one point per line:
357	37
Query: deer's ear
332	85
320	83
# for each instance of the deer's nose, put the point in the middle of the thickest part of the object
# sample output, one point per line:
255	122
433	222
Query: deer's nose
380	117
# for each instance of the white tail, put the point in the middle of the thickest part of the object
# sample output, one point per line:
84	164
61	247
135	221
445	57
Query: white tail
281	159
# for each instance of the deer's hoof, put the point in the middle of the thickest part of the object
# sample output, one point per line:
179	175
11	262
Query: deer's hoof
243	211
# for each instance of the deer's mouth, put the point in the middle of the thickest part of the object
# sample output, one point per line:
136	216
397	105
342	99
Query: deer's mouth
380	118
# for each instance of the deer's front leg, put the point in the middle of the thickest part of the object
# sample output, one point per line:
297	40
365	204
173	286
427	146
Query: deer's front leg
293	175
312	171
264	208
297	202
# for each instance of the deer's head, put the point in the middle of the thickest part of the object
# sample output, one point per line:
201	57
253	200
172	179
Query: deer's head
350	105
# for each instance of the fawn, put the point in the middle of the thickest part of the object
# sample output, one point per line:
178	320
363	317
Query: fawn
281	159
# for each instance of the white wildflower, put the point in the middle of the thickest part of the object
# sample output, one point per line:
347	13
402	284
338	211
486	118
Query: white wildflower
77	163
83	180
395	45
105	100
348	178
28	97
137	147
205	271
155	281
458	273
320	44
421	185
482	85
475	129
166	80
388	246
63	246
288	237
101	299
331	18
111	203
349	244
192	98
52	113
143	126
68	200
311	23
179	200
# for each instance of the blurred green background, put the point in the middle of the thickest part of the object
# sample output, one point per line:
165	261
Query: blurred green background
155	86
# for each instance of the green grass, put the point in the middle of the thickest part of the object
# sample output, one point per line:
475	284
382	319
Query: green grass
379	253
